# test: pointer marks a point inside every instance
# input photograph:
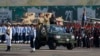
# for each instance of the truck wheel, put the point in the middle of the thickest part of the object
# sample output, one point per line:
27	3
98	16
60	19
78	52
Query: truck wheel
37	45
52	45
69	46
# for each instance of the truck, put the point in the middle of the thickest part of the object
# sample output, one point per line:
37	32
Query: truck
55	35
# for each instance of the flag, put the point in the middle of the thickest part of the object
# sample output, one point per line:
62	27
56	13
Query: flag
84	17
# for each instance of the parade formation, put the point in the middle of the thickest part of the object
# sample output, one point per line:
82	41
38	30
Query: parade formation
46	29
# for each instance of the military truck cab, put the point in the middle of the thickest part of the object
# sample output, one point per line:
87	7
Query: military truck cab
59	37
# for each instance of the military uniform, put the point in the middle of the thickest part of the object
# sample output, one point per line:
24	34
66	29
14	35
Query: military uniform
8	37
32	38
28	34
96	37
3	31
0	32
21	34
24	31
17	34
13	33
59	21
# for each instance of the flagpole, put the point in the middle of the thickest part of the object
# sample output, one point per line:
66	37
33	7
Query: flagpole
84	14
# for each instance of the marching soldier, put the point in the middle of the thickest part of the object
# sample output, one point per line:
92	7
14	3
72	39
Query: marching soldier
28	33
21	33
17	33
0	32
33	37
8	36
24	31
13	34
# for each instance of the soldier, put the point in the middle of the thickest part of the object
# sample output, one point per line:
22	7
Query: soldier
82	35
79	38
3	31
8	36
47	18
28	33
0	32
41	18
88	33
17	34
59	21
96	37
87	36
52	19
24	31
13	34
21	33
33	37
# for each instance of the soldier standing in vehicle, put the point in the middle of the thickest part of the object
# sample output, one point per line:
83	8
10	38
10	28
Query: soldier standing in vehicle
8	36
41	18
52	19
47	18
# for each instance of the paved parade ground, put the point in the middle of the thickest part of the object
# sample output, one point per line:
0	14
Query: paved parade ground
24	50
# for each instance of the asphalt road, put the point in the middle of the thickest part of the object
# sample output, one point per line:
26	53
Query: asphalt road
24	50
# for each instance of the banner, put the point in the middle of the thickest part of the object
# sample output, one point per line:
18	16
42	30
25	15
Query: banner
89	12
5	14
37	10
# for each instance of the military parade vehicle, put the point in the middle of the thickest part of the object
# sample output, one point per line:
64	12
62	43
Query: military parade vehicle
53	36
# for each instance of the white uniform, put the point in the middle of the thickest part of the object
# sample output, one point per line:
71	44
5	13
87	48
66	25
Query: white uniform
32	38
0	32
9	37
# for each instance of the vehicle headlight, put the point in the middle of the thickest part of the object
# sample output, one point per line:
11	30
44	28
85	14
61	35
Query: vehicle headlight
99	36
73	37
67	39
58	37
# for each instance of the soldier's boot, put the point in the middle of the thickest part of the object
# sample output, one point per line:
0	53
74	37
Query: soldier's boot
33	50
7	48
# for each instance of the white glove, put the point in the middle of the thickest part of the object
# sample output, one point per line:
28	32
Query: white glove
26	34
92	37
77	37
99	36
33	39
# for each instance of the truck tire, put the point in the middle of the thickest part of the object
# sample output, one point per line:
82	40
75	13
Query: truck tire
52	45
37	45
69	46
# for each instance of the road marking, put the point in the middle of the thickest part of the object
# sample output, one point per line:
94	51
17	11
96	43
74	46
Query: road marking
63	50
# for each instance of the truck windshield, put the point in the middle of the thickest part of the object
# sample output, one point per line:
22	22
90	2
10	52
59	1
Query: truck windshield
58	29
